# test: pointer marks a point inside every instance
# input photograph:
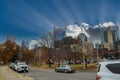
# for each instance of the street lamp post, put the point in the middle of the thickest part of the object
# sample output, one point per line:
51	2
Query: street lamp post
83	50
58	58
83	55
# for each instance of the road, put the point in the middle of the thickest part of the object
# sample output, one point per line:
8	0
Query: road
50	74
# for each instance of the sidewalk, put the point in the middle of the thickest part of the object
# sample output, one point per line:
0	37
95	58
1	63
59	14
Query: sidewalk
8	74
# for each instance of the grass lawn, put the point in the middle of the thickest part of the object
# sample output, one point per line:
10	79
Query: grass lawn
80	66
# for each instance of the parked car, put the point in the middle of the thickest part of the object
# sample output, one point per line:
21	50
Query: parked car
108	70
21	66
11	65
65	69
78	62
70	62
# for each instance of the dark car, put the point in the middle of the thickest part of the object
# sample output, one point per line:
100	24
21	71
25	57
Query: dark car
65	69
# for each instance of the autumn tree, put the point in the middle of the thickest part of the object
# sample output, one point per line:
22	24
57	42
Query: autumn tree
27	55
8	50
1	53
47	43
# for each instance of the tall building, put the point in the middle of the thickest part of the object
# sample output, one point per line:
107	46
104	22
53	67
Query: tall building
102	38
58	35
82	37
110	36
24	45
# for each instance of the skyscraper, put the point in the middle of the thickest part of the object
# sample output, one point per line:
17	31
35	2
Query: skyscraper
82	37
110	36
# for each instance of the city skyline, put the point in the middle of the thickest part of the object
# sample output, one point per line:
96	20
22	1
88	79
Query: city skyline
28	19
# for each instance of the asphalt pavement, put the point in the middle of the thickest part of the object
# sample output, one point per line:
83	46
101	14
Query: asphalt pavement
46	74
50	74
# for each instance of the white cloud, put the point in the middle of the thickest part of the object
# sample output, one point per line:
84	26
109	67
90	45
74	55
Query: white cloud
104	25
74	30
85	25
108	24
32	44
96	26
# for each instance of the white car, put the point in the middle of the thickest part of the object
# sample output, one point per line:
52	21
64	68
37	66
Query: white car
21	66
109	70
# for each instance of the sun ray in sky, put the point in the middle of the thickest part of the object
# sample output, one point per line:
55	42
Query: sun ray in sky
24	16
28	18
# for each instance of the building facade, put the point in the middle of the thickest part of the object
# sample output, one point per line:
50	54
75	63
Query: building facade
109	36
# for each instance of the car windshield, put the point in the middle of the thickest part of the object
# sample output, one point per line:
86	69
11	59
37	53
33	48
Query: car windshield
63	66
114	68
22	64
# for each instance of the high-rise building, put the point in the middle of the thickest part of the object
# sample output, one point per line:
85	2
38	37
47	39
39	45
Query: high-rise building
82	37
58	35
102	38
110	36
24	45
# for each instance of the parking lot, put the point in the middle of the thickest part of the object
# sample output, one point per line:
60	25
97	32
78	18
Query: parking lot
46	74
50	74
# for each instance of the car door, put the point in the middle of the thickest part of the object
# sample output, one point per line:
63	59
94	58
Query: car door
114	69
111	71
59	69
62	68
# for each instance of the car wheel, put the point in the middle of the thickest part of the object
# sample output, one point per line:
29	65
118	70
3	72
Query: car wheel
65	71
56	70
27	71
17	70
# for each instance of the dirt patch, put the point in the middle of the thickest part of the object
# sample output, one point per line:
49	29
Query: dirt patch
1	76
9	74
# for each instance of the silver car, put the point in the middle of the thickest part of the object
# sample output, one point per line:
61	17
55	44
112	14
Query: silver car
65	69
11	65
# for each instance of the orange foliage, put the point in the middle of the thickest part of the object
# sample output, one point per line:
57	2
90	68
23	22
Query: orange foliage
8	50
27	55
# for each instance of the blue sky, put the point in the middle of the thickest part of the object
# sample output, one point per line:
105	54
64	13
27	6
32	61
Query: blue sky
29	19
